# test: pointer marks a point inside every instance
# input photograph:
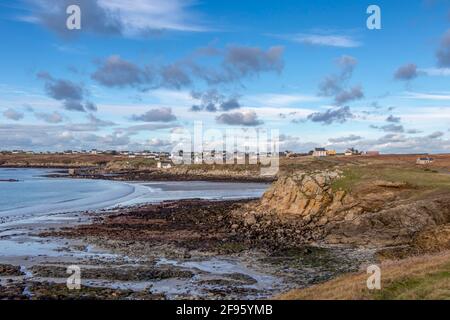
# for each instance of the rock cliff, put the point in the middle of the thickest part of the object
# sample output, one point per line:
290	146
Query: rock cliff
304	207
306	196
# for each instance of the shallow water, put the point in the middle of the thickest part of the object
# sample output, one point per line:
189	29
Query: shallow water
40	203
34	194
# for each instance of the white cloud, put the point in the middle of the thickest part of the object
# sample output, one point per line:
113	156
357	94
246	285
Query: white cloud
278	100
427	96
119	17
438	72
172	97
139	15
331	40
429	115
273	113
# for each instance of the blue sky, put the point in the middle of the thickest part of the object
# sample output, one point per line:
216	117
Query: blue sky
138	71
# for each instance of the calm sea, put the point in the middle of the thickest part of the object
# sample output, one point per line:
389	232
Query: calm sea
36	194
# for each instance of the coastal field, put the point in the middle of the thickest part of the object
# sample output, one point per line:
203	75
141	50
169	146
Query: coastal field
104	163
415	278
309	232
224	150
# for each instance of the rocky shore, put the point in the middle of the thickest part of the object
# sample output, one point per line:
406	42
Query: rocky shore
309	227
189	249
306	208
163	175
122	168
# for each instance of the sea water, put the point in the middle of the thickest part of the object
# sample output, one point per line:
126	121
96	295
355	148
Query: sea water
36	194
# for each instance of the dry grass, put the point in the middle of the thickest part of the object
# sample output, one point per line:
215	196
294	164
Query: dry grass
287	165
62	159
356	176
424	277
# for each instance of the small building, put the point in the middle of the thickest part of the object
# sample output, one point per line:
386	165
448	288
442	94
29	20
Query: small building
289	154
373	153
319	152
424	160
331	152
198	159
352	152
164	165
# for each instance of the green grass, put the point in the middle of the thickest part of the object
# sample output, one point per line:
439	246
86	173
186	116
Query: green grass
136	163
417	278
142	162
434	285
417	177
349	179
414	177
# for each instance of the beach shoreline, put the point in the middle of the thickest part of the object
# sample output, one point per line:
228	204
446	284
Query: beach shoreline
173	250
314	224
95	173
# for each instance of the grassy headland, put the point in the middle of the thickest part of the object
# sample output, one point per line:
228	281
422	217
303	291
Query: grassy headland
416	278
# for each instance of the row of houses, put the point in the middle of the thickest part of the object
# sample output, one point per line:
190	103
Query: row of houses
145	153
322	152
166	159
218	156
130	154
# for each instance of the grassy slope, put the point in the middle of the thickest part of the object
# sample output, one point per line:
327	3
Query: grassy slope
418	278
423	277
418	177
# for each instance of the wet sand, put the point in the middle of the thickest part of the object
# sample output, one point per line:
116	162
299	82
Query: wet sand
183	249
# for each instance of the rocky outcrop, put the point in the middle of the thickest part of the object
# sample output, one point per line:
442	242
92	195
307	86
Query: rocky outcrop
168	175
308	197
397	224
297	209
304	207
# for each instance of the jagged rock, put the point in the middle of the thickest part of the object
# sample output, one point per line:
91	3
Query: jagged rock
303	195
304	207
249	219
322	221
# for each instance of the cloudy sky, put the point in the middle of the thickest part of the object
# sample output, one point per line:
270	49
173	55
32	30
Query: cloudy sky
140	70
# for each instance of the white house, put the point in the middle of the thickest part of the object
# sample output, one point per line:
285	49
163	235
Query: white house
320	152
164	165
351	152
424	160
